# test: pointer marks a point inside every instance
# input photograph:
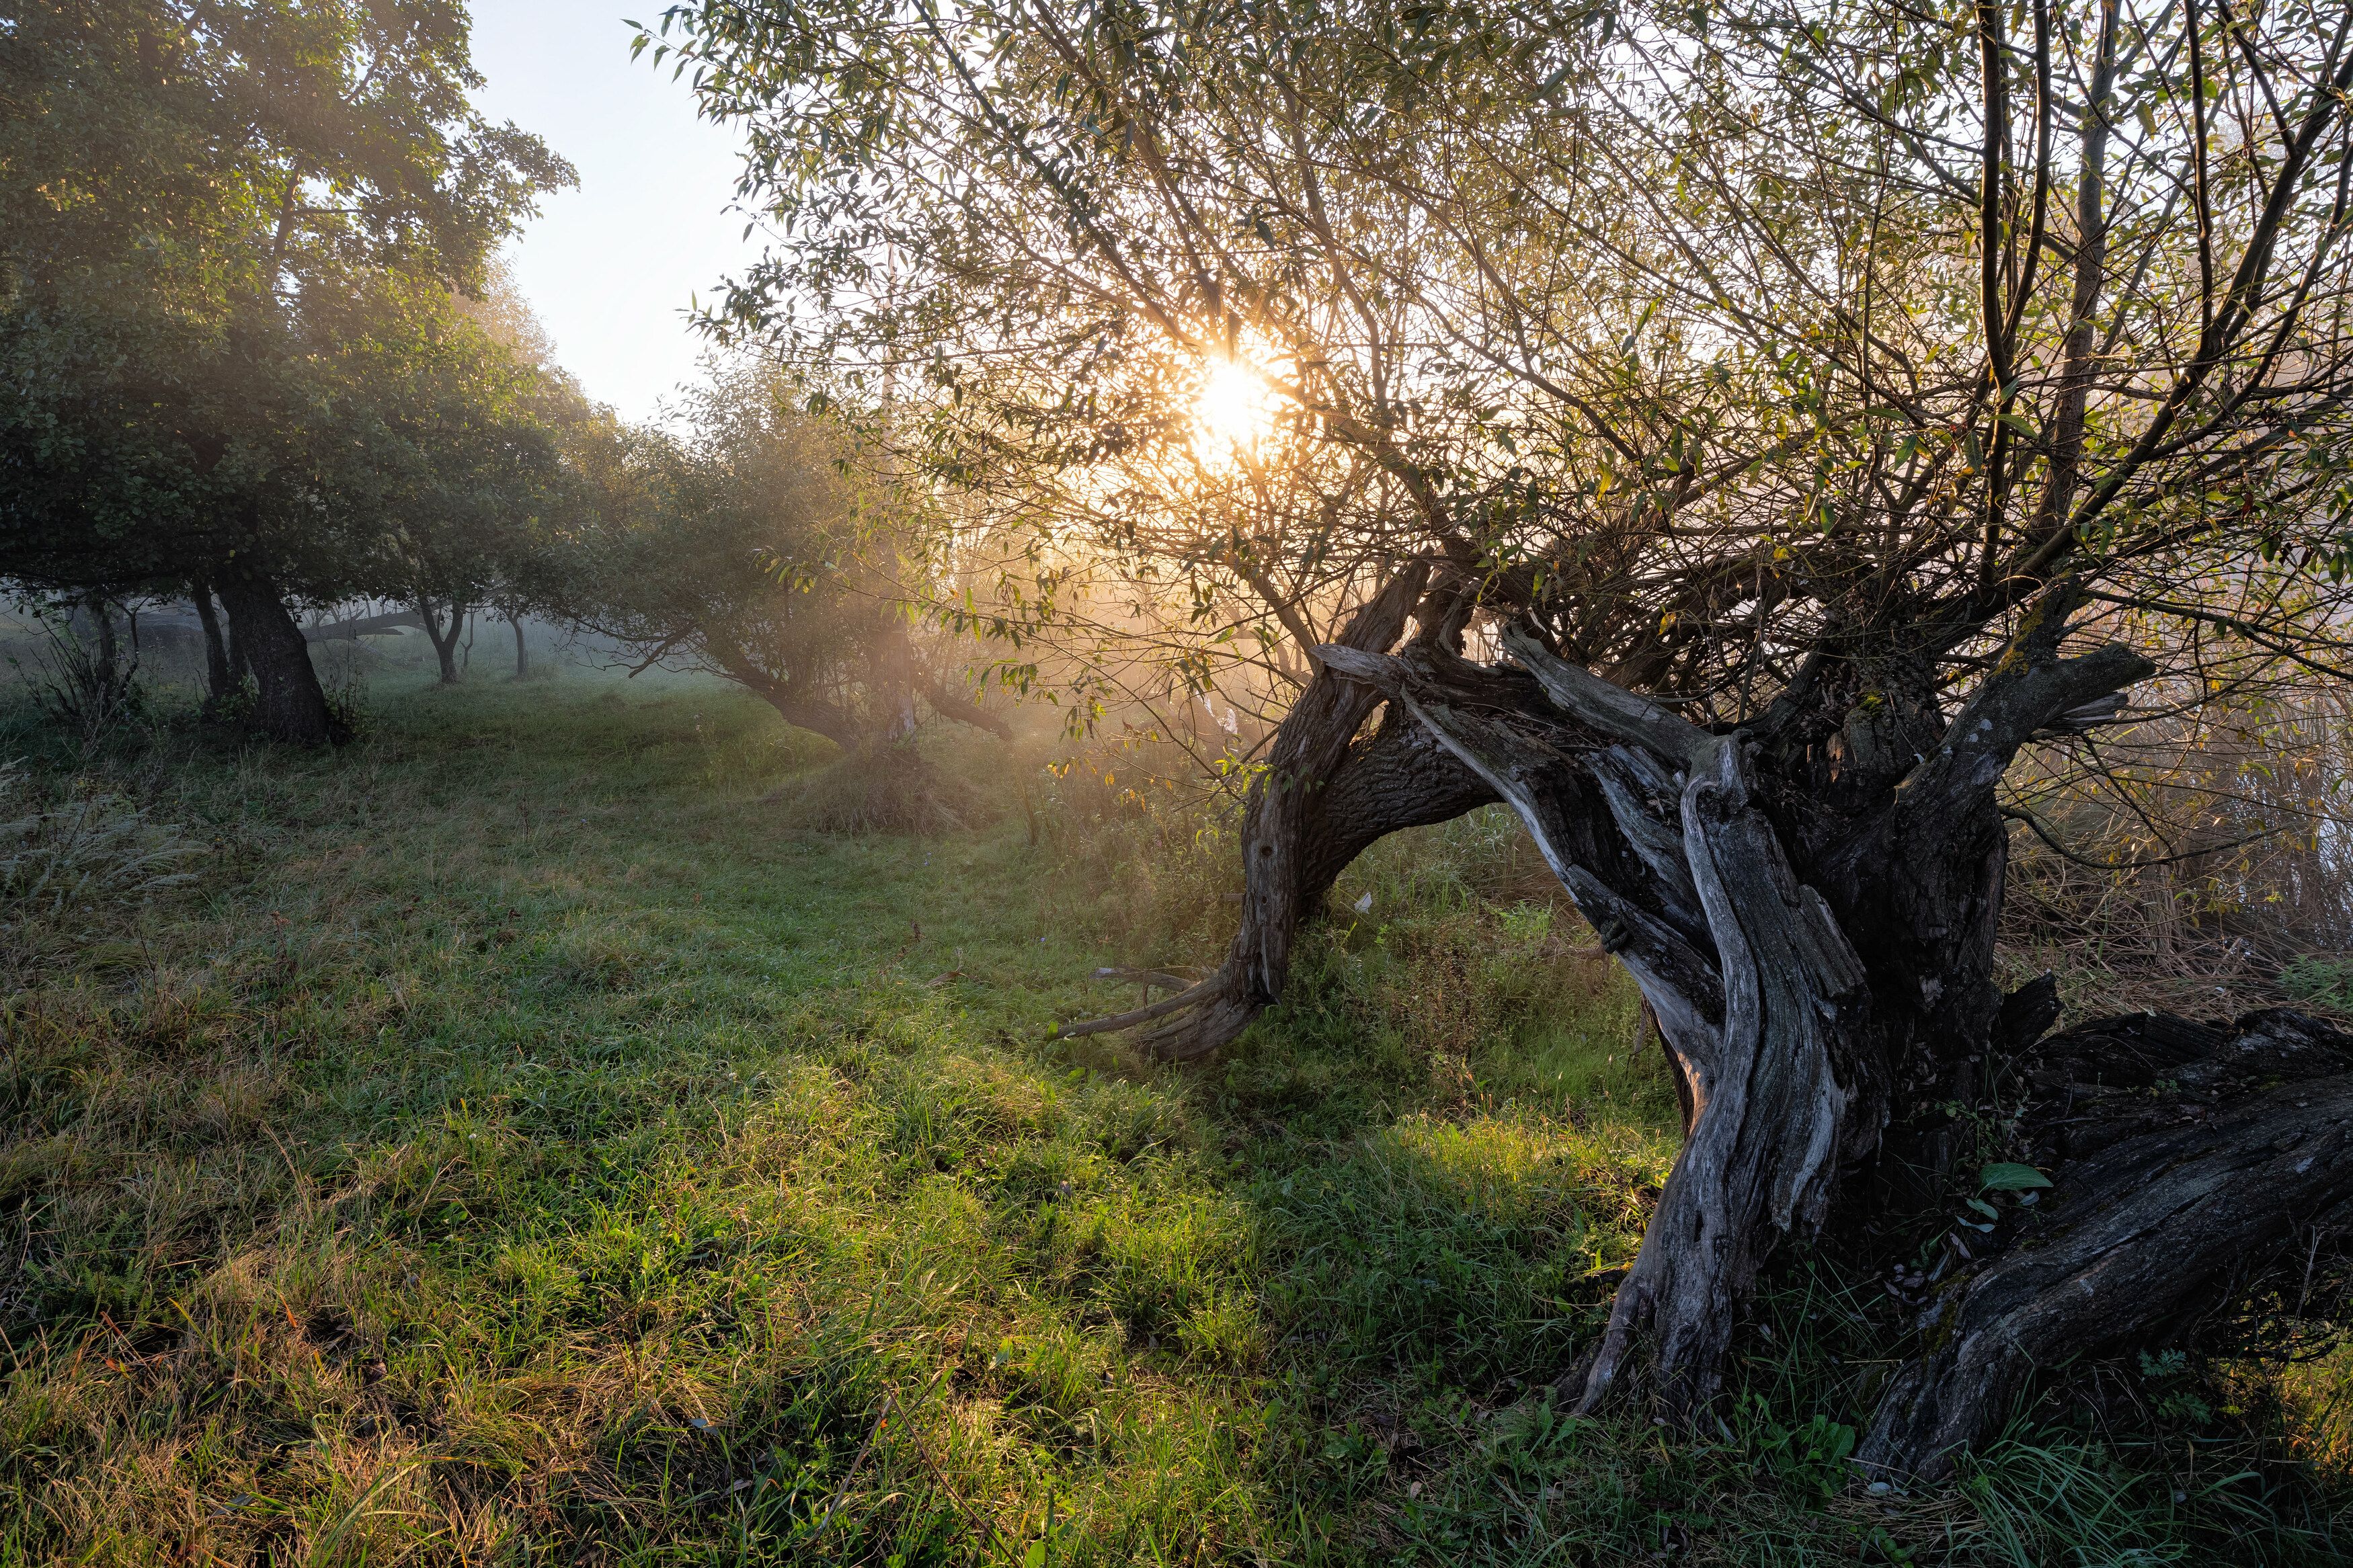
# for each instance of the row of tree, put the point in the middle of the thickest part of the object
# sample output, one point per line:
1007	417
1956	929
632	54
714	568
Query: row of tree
255	349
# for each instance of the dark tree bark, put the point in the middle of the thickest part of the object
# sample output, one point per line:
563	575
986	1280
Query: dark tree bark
1809	905
240	666
443	633
523	649
100	612
951	702
2185	1160
805	708
797	706
294	707
1323	798
220	675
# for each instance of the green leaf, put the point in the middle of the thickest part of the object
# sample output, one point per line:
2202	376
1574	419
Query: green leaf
2009	1178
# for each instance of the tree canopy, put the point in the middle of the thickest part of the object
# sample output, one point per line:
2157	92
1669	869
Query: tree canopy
1720	337
230	235
1730	435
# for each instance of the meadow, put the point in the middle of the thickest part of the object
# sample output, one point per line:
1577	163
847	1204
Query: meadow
526	1135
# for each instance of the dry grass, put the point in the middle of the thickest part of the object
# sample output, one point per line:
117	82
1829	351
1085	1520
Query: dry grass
515	1147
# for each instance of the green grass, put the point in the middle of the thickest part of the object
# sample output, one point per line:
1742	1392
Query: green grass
522	1143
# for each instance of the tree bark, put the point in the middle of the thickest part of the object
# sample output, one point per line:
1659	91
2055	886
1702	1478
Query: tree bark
294	707
443	636
1816	974
109	654
953	702
1322	799
357	627
2185	1159
220	677
1808	908
522	650
798	708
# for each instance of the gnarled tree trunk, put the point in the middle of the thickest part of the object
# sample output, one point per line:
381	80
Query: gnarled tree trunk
294	707
1812	924
1324	796
1809	905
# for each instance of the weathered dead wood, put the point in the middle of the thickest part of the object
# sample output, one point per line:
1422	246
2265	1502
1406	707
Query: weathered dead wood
1324	796
1761	1015
2180	1197
1791	1099
1801	980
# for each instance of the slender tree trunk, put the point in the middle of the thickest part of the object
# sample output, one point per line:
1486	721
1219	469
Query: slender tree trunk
109	653
294	707
522	650
443	635
221	679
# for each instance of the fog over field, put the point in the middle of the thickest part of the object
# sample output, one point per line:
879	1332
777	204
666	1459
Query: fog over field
955	784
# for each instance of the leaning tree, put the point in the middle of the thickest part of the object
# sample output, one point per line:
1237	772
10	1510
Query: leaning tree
742	546
1729	436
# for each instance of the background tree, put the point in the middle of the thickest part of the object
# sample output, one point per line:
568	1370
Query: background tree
454	479
192	193
742	548
1803	400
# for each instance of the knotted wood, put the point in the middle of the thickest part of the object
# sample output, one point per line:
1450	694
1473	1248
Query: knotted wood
1819	960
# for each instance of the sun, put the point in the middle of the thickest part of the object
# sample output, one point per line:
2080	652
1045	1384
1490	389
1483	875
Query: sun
1235	407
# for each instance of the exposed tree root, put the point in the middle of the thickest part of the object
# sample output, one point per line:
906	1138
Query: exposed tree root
2180	1179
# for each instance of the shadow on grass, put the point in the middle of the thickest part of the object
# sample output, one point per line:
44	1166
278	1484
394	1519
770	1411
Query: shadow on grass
523	1140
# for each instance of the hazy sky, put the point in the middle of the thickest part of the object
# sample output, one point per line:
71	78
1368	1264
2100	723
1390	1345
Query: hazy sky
611	266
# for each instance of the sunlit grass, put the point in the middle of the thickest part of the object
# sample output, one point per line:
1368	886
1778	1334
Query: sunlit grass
525	1143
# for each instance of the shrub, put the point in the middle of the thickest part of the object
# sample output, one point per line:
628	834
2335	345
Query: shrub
891	787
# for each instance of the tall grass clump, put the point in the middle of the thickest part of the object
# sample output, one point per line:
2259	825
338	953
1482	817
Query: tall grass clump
67	864
886	786
89	691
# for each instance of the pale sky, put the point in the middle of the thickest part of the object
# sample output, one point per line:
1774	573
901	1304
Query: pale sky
611	266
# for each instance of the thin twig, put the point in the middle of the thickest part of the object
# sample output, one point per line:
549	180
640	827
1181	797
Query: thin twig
855	1466
2019	814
